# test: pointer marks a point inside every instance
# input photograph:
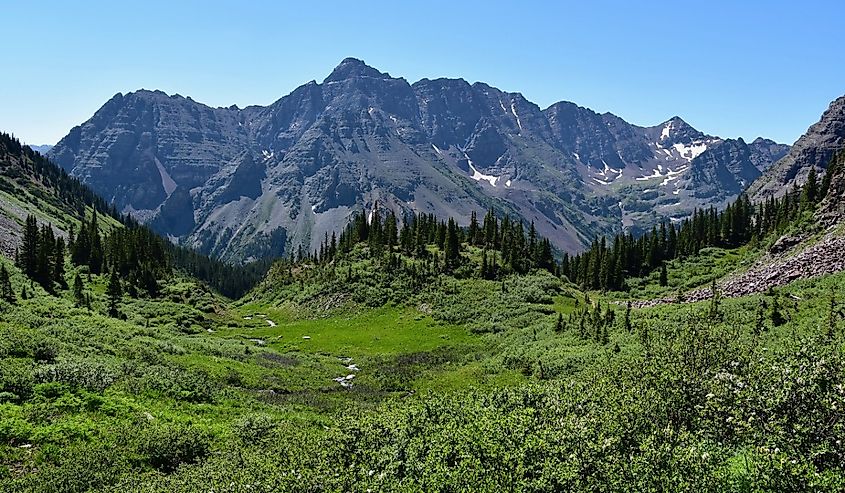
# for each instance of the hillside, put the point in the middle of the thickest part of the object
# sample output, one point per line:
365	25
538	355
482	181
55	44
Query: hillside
421	359
245	183
30	185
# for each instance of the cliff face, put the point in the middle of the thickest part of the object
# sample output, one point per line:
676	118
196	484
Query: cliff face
814	149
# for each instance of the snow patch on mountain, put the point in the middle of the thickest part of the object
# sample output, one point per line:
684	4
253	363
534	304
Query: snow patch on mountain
664	134
513	110
690	152
478	176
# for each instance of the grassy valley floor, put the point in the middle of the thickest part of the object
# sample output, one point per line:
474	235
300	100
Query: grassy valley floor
527	384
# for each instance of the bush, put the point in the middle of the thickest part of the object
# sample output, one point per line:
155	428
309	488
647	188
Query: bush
16	379
178	383
167	446
45	351
90	375
254	428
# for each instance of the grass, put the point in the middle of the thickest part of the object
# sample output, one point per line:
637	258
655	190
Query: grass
691	273
194	359
378	332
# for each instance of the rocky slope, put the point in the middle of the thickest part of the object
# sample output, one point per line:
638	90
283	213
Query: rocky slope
814	149
796	259
243	183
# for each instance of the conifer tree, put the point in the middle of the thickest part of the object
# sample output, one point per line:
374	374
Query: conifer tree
95	243
452	245
6	291
715	301
59	263
775	314
760	318
44	258
114	292
810	190
78	293
28	253
664	275
474	232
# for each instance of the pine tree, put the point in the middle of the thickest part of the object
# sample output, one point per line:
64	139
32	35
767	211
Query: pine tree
114	292
28	256
44	258
559	323
59	263
474	232
78	293
833	168
760	318
6	291
810	190
664	275
452	245
715	301
95	256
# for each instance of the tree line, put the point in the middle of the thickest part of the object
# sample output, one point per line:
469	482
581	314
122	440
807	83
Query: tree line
71	191
505	246
606	265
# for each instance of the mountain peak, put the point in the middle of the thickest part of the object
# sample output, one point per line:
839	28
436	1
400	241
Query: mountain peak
676	129
676	122
352	67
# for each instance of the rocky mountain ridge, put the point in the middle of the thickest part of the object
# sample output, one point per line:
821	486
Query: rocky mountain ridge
813	149
244	183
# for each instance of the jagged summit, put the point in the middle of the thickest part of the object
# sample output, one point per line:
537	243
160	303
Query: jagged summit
243	183
353	67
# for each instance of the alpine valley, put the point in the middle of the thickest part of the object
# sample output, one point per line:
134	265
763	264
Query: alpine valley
377	286
242	184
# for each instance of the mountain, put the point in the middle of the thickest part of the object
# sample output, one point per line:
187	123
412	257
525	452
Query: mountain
813	149
42	149
258	181
31	185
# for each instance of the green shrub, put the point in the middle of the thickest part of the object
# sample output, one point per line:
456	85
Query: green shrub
254	428
45	351
16	378
167	446
87	374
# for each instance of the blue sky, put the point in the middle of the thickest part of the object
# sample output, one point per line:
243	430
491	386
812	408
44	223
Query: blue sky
728	68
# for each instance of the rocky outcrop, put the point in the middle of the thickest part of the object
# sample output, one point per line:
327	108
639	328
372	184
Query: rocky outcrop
814	149
775	269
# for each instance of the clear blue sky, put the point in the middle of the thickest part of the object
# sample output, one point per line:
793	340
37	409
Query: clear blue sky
729	68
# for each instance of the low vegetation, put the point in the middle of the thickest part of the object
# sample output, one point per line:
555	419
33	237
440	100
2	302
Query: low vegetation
412	356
